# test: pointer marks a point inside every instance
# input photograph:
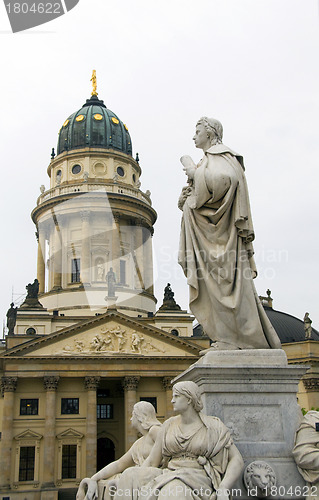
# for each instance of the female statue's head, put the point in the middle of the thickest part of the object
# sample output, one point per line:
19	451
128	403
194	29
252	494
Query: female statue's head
191	391
144	413
213	128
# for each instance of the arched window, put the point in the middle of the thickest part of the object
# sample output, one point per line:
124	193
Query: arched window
31	331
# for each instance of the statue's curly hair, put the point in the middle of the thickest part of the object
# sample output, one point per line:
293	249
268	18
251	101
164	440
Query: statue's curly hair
213	128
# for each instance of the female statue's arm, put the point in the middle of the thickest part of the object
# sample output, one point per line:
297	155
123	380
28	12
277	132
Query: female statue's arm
115	467
233	471
155	457
153	432
109	470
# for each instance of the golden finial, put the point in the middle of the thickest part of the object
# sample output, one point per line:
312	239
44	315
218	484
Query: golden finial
93	80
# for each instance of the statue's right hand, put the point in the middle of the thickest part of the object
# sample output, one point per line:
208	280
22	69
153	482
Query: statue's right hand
92	491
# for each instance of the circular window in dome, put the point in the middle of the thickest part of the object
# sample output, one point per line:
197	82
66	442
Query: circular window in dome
66	123
134	178
79	118
120	171
98	117
76	169
115	120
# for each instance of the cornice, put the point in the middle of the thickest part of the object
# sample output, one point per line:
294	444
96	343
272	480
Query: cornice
97	356
121	318
115	197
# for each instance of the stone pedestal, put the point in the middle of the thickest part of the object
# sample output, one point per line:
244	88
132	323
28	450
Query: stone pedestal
254	393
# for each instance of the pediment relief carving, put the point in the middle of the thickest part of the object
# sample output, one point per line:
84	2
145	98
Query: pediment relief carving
115	340
108	338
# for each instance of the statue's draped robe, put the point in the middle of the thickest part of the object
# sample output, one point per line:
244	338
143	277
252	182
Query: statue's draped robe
216	254
198	458
306	451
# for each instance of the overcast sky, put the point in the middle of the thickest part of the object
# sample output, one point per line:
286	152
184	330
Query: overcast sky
161	65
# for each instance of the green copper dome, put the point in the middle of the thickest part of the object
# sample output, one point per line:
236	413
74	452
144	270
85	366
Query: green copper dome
94	126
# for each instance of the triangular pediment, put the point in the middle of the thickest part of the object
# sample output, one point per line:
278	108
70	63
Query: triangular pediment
70	433
29	435
110	335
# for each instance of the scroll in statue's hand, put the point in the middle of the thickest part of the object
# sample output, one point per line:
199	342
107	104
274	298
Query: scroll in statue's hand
189	166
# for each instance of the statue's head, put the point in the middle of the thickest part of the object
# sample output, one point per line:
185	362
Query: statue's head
191	391
144	413
213	129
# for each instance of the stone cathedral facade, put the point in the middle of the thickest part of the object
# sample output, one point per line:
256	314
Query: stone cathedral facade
88	341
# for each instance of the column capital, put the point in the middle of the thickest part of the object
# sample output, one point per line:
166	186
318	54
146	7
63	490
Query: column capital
167	382
9	384
117	217
311	384
140	222
91	383
51	383
130	383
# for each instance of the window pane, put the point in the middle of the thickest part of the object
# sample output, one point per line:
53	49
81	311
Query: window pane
26	464
75	271
69	461
29	406
104	411
69	406
122	272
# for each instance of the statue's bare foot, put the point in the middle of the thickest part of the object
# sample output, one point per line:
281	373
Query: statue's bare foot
219	346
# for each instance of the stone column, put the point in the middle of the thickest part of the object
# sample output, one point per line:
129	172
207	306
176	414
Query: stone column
86	247
41	260
138	253
57	262
91	384
148	260
50	385
9	385
311	385
169	412
130	386
116	246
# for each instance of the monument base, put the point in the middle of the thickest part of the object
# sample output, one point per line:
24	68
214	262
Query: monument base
254	393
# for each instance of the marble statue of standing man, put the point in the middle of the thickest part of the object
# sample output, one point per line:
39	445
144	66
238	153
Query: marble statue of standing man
216	250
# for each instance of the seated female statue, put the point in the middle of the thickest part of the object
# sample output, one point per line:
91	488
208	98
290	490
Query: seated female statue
145	422
202	463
